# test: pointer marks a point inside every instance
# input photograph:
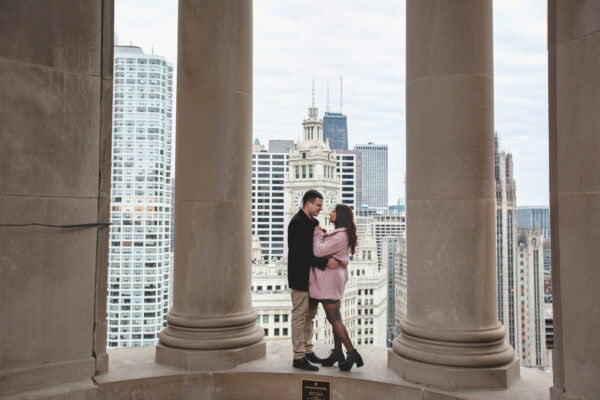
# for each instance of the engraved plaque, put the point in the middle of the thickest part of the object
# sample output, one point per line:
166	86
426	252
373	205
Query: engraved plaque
316	390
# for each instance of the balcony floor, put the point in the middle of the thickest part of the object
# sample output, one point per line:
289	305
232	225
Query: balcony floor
133	374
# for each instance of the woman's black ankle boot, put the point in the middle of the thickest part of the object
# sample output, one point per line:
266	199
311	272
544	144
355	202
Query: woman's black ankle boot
352	357
336	356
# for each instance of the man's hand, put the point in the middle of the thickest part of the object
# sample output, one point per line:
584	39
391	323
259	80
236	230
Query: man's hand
332	263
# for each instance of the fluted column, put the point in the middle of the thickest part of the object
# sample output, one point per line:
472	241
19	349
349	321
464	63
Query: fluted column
451	336
212	323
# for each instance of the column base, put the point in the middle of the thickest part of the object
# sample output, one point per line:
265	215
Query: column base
210	359
46	375
454	378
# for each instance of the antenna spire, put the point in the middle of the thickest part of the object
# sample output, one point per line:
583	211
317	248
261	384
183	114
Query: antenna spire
313	92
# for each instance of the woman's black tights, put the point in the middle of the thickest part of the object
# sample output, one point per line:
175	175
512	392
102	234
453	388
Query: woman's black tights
340	334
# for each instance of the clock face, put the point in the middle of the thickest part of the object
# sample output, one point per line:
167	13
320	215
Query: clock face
298	199
330	202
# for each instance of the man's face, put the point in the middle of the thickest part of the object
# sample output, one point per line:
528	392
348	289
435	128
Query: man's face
314	207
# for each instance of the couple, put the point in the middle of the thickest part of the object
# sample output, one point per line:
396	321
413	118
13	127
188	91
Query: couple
317	273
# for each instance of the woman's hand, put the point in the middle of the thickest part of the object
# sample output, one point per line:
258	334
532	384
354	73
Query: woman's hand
318	228
333	263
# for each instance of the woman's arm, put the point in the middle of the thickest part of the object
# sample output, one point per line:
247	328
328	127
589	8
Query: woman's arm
327	245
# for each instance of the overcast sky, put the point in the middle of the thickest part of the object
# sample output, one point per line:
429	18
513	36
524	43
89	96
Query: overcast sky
363	41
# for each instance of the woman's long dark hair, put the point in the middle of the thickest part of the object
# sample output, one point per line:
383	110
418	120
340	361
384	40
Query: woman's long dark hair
344	218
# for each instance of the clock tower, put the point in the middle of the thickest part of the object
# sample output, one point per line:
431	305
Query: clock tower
312	165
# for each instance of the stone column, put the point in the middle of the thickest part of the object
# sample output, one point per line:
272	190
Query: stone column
55	110
451	336
212	323
574	144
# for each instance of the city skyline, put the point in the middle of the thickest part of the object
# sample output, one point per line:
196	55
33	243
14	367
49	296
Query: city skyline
313	43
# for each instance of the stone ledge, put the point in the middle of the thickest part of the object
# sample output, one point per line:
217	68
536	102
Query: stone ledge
134	374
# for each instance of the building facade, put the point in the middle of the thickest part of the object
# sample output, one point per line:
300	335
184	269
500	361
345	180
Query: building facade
347	168
507	273
312	165
139	273
268	189
532	216
335	130
531	291
384	226
373	193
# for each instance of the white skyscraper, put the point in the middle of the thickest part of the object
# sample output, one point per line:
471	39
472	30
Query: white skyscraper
350	177
140	234
507	272
387	226
373	193
268	178
531	267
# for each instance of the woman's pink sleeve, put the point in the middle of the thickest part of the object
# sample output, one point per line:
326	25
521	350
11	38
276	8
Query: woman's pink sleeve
323	245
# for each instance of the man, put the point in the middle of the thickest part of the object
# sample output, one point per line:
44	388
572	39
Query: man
300	260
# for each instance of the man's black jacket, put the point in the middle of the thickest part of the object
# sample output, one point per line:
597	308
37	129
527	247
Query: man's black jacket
300	251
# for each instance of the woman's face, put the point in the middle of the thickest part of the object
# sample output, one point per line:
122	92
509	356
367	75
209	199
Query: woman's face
332	216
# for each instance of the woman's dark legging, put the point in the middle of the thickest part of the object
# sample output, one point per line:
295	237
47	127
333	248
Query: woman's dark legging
340	334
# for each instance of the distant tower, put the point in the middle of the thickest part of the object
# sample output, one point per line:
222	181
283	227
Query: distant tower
531	289
312	166
348	162
139	268
335	126
506	240
374	170
268	174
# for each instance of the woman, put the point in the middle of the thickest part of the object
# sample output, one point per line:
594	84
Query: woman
327	286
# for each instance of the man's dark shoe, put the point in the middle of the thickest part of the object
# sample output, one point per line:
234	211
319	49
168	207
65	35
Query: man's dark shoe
304	364
312	357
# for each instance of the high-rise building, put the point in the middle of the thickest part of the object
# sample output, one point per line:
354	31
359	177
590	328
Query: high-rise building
335	130
387	226
140	233
347	162
532	216
268	178
373	193
531	293
507	273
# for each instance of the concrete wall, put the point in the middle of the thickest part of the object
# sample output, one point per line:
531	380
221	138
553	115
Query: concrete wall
55	122
574	97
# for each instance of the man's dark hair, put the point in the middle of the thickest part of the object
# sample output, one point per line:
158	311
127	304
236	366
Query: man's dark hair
311	195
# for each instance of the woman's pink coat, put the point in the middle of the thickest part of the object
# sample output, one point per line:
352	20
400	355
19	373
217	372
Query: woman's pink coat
329	284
